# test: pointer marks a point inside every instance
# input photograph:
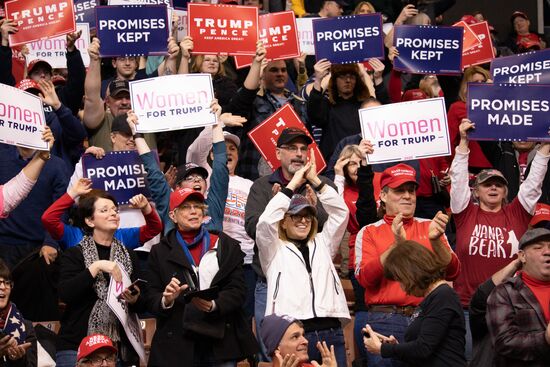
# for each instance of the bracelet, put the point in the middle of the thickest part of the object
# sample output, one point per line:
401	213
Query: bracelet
137	135
45	158
320	186
288	192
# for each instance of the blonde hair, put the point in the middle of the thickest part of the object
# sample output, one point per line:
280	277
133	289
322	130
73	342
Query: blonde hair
310	236
468	77
361	4
197	64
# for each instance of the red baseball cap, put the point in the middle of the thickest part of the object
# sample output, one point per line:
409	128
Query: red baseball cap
413	95
398	175
36	62
542	213
26	84
93	342
179	196
518	13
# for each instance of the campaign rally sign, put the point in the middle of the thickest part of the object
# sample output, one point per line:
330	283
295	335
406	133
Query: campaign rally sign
428	49
140	2
470	38
223	29
350	39
406	130
509	112
54	50
84	11
265	135
120	173
527	68
278	33
181	23
40	19
132	30
173	102
482	53
22	118
129	320
305	35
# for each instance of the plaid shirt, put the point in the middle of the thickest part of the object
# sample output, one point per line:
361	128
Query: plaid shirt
517	326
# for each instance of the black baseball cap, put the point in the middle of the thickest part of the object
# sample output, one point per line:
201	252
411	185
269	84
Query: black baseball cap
291	133
186	169
118	86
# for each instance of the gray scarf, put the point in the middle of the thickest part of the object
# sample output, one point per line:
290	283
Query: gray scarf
102	320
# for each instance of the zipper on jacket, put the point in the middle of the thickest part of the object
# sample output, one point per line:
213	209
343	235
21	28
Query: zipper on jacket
335	284
275	292
311	280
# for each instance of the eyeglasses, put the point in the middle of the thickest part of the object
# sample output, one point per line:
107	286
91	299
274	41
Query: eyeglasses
189	207
294	149
98	361
107	210
6	283
193	178
298	218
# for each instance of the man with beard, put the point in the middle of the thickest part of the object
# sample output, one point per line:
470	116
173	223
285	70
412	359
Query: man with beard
292	152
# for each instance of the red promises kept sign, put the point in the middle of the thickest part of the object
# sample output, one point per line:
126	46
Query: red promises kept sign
223	29
40	19
278	33
265	135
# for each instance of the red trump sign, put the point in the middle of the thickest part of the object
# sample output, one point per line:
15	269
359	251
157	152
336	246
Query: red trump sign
40	19
265	135
223	29
278	33
470	38
482	53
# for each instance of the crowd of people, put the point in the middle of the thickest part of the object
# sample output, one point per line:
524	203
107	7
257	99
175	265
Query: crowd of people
448	257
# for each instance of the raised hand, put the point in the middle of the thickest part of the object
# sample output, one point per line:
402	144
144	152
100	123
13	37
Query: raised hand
48	95
328	356
93	49
71	39
186	46
81	187
438	225
139	201
322	69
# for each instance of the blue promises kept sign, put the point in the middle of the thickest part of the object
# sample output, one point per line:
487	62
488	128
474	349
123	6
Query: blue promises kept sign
84	11
528	68
428	49
350	39
132	30
120	173
509	112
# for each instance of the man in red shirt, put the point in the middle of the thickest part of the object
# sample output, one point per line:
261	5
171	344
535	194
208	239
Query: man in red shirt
389	308
518	310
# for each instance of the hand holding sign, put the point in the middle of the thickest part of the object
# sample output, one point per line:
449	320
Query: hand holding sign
186	46
407	12
71	39
93	50
7	27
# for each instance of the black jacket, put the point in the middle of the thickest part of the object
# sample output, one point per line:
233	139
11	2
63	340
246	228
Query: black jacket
173	343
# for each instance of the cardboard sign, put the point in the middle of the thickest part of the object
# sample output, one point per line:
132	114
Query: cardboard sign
223	29
40	19
278	33
350	39
305	35
470	38
173	102
132	30
120	173
181	16
428	49
140	2
84	11
527	68
54	50
406	130
130	321
22	118
482	53
509	112
265	135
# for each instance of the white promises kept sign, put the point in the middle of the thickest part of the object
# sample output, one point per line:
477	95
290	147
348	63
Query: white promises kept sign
407	130
22	118
129	321
54	50
173	102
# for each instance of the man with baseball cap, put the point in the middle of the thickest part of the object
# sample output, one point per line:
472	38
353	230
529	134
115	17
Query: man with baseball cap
190	256
285	342
388	306
96	349
518	310
522	39
292	151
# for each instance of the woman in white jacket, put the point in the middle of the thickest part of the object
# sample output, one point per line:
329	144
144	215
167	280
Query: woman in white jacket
301	279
